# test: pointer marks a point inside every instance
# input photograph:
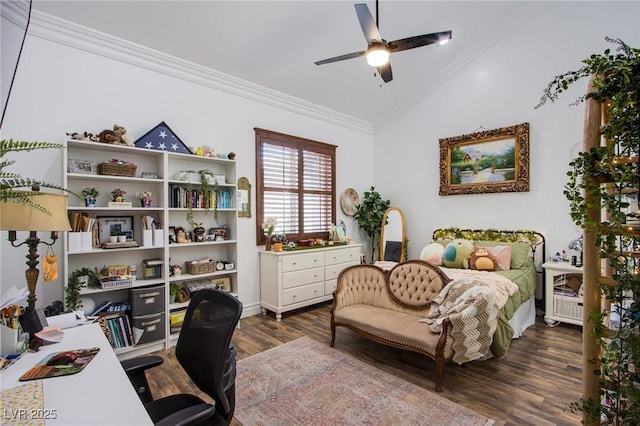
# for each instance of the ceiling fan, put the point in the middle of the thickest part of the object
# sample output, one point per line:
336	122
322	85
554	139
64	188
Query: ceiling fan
378	49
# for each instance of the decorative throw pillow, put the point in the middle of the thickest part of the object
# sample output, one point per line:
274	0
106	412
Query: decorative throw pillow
483	260
456	253
503	257
432	253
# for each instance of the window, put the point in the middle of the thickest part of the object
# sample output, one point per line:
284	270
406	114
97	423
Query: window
295	183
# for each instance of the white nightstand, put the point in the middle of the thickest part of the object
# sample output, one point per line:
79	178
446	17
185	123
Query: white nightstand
562	293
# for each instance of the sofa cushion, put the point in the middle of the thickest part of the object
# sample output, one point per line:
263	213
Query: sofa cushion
393	326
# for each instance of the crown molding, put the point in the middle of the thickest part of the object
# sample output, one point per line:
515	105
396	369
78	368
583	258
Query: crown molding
60	31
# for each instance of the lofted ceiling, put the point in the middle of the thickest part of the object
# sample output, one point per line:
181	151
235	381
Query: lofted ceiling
275	43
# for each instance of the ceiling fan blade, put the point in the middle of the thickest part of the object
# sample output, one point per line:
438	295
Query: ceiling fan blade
341	58
418	41
368	25
385	72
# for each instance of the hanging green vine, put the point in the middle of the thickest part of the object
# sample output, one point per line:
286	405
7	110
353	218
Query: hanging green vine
75	285
204	190
617	86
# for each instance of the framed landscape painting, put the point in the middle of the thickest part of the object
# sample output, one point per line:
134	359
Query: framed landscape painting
484	162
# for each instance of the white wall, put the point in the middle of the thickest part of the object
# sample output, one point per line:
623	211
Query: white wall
501	88
63	89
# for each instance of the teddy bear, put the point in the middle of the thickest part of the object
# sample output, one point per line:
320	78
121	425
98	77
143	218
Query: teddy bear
110	137
126	138
457	252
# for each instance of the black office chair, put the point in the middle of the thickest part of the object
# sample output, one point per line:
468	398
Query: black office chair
206	353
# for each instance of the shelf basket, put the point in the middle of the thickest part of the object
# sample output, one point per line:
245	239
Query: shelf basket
116	169
200	268
115	282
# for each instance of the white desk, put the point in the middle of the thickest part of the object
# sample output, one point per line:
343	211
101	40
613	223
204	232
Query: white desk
101	394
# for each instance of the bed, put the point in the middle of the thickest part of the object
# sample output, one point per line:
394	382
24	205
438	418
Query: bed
527	253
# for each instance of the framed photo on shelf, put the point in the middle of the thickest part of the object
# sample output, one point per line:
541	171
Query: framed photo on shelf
172	234
84	167
222	283
115	224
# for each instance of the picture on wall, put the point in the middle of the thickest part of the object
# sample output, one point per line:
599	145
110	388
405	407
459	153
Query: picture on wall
484	162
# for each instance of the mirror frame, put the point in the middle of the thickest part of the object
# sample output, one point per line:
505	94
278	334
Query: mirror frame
516	136
244	193
382	240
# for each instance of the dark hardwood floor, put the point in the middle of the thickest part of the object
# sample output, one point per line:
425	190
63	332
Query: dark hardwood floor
540	376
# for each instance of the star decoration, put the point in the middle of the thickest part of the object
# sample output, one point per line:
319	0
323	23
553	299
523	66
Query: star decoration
163	134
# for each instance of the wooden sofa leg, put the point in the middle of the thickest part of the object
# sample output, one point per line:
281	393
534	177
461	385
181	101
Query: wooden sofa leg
333	334
439	372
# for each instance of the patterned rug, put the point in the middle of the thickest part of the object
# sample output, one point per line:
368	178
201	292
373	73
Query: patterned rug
305	382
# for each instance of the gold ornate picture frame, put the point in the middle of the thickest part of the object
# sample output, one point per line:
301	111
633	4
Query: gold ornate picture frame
489	161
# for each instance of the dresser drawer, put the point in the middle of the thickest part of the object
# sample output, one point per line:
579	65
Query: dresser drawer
297	262
329	286
331	272
333	257
298	278
300	294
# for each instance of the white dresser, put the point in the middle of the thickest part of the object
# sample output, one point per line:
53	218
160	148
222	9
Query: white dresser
295	279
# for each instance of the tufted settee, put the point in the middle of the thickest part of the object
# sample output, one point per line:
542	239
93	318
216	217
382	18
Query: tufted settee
387	307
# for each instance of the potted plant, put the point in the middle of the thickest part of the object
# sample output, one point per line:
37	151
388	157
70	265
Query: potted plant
369	216
117	195
173	292
79	279
113	236
90	196
206	194
145	198
616	86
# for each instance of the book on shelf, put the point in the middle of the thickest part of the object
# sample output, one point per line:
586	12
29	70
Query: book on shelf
117	327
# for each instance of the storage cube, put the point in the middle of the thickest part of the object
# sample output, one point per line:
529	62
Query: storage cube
152	327
147	300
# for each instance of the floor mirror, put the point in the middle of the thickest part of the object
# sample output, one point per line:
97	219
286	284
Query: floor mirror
392	236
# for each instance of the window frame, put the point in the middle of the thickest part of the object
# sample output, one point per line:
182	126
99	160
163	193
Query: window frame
301	144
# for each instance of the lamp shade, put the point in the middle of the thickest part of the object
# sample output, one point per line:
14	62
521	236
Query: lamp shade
20	217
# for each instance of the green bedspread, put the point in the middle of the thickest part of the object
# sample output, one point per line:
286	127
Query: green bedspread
526	279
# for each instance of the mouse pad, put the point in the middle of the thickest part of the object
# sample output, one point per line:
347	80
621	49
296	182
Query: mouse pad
43	371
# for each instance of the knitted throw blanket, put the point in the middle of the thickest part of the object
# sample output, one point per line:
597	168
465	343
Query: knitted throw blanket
471	307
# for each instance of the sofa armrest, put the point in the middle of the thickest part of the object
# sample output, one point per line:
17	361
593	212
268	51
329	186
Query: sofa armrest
360	284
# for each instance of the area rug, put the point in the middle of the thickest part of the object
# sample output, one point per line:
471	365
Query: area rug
305	382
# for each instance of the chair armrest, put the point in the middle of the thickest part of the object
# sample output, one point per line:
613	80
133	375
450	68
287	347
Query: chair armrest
135	369
188	416
141	363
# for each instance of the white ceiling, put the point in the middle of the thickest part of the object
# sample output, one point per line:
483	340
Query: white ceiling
275	43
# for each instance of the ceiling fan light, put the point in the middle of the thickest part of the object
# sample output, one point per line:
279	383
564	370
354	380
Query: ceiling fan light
377	56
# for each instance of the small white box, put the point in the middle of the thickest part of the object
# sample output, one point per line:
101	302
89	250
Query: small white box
75	241
147	237
9	343
158	237
85	241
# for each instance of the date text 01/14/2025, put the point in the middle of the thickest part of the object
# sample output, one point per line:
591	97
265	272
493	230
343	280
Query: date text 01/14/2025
29	414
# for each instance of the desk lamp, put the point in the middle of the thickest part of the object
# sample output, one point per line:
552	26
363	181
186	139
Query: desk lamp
21	217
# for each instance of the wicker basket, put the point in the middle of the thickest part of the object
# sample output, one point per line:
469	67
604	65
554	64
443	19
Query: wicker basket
111	283
200	268
117	169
